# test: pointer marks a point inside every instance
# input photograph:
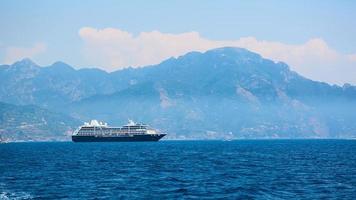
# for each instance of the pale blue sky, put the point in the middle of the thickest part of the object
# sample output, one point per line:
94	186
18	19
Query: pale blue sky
55	24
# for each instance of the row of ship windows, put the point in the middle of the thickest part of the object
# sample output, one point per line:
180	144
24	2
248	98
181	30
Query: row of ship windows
116	129
126	134
110	132
100	130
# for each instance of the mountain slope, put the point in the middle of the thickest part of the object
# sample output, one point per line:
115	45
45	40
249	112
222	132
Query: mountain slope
31	123
228	93
24	82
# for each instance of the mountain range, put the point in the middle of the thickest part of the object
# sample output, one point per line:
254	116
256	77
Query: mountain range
224	93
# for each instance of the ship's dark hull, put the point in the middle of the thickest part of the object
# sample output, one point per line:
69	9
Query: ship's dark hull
133	138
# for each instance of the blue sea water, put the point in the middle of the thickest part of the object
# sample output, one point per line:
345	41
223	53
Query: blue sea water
246	169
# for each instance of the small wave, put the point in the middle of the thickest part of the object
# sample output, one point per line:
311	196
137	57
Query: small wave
14	195
6	194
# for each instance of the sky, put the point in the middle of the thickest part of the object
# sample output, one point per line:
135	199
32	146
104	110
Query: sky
315	38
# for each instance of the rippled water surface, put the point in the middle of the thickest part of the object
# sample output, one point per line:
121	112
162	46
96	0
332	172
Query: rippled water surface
259	169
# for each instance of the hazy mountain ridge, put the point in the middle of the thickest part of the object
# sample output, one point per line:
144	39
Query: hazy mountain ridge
222	93
24	82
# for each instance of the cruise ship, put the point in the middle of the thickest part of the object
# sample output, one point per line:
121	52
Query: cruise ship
96	131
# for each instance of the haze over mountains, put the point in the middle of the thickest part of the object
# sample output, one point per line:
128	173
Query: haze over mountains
224	93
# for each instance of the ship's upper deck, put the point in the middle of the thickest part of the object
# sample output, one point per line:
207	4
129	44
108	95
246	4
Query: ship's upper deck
94	124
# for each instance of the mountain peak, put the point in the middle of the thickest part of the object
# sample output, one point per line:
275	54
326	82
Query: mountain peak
232	51
25	62
61	65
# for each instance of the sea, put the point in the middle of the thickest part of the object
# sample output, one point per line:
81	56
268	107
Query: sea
240	169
